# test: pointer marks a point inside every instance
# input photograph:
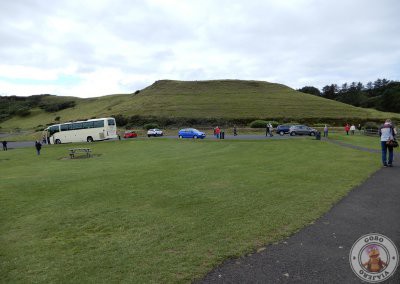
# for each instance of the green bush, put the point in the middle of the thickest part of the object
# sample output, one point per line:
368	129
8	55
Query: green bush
148	126
371	125
258	124
274	123
24	111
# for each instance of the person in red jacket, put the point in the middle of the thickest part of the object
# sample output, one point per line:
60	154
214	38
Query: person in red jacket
217	131
347	128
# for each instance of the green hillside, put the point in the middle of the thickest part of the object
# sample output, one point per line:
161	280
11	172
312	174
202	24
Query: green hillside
218	99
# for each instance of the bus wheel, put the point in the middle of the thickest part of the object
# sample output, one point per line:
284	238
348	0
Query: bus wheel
58	141
89	139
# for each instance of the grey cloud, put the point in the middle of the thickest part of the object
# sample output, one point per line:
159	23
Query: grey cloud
290	41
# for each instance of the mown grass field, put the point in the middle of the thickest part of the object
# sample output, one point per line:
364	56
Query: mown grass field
358	139
161	210
226	99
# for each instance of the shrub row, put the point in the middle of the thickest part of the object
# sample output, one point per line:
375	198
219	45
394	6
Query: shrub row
53	107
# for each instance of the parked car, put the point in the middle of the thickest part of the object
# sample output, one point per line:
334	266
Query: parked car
283	129
191	133
130	134
154	132
302	130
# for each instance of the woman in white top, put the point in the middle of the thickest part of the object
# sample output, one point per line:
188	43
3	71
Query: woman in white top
386	132
352	129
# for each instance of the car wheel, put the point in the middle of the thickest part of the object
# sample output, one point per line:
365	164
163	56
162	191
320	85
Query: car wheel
281	133
148	135
89	139
180	137
195	137
312	134
292	133
58	141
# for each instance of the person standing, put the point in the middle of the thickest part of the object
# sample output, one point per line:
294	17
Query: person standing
326	131
38	147
387	133
359	127
266	129
352	129
347	128
217	132
5	145
234	130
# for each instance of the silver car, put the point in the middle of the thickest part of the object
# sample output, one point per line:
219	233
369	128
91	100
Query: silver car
302	130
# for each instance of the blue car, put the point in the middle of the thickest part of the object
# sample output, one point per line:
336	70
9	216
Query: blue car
191	133
283	129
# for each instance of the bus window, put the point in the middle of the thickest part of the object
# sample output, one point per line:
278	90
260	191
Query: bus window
78	125
98	123
111	122
64	127
88	124
54	129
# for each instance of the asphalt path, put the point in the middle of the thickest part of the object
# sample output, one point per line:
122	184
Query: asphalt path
319	253
24	144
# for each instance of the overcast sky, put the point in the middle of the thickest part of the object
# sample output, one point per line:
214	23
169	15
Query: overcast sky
98	47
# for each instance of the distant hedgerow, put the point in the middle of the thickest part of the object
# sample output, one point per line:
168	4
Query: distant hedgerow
258	124
53	107
150	126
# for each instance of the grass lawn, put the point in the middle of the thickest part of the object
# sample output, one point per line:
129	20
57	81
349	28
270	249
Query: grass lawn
161	210
357	139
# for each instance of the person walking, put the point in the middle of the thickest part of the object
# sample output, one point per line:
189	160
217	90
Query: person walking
326	131
271	128
352	129
387	133
359	127
347	128
4	145
234	130
38	147
266	129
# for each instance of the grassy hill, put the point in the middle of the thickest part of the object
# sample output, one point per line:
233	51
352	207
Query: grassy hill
218	99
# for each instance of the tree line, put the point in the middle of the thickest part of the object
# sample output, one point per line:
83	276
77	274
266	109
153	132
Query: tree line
382	94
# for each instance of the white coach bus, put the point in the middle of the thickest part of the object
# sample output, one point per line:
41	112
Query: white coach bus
82	131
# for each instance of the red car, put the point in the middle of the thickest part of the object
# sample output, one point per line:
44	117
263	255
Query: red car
130	134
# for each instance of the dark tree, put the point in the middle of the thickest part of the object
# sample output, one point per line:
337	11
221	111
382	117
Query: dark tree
310	90
330	91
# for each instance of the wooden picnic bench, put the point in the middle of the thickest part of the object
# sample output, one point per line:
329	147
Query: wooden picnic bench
73	151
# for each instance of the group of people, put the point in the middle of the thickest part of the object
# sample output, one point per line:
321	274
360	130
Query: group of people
217	132
38	146
347	128
268	130
351	129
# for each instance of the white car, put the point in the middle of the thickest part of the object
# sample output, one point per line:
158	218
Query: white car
154	132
